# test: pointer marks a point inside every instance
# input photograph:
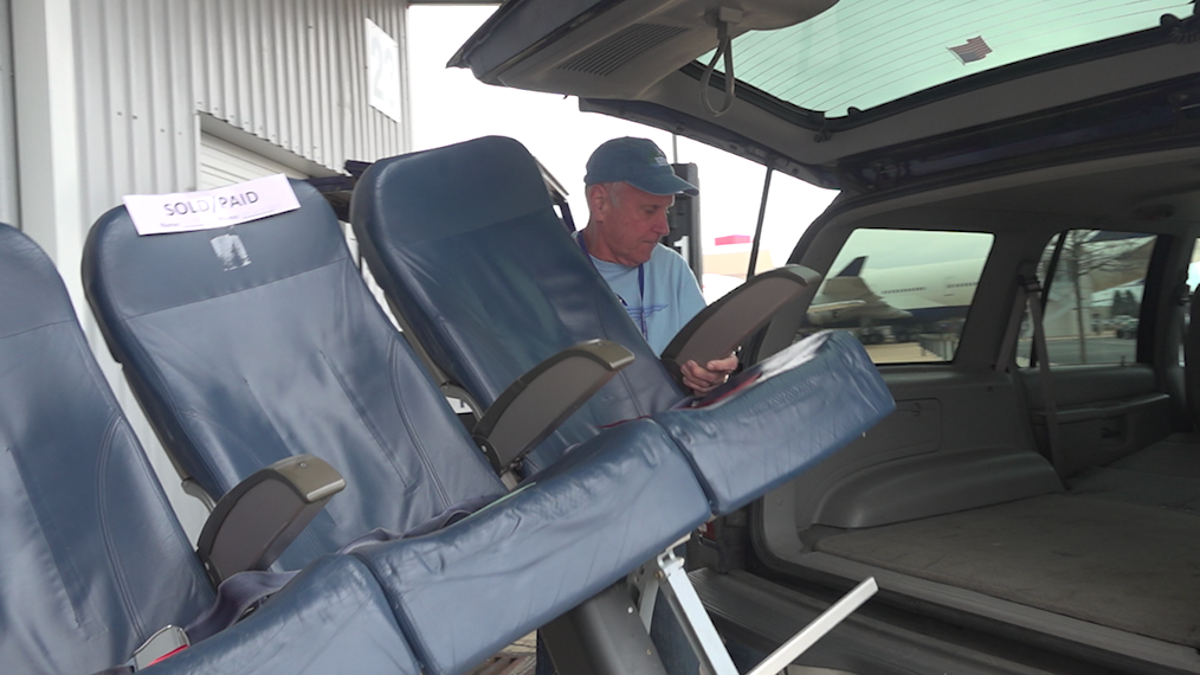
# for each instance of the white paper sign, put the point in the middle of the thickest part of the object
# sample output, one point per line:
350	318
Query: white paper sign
210	209
383	71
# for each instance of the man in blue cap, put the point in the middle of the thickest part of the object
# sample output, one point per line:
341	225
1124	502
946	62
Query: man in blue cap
630	187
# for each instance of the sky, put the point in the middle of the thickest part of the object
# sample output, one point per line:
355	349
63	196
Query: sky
450	105
903	248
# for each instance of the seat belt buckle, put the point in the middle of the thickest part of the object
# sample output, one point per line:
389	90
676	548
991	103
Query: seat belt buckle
166	642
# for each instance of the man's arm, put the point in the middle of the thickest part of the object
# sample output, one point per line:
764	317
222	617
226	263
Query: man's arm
700	378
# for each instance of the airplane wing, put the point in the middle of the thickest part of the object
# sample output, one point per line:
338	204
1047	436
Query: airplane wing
847	297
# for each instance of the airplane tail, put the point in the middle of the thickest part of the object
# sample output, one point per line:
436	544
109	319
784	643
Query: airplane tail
854	269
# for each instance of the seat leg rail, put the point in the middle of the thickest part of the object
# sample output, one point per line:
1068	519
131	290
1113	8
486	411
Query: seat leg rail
666	575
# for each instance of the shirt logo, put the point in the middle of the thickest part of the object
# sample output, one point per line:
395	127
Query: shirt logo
642	314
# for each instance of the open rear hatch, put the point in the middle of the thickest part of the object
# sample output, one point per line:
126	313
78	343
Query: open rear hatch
831	91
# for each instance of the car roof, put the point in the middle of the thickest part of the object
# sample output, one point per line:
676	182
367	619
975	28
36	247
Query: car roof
826	90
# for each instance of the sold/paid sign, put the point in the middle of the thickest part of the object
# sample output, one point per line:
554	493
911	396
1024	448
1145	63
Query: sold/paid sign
210	209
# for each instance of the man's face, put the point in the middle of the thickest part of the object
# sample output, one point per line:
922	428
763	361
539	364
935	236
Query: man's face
629	221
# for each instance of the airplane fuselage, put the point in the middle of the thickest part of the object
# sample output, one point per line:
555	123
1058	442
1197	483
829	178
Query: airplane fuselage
923	294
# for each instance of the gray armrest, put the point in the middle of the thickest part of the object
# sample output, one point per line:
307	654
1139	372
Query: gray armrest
533	406
256	520
719	328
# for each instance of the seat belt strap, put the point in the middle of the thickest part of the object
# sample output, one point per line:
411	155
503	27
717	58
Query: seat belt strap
236	596
1033	296
244	592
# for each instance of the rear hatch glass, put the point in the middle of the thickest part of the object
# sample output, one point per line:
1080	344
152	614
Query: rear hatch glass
860	54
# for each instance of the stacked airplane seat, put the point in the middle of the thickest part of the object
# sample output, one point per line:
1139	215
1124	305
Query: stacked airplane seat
465	243
94	560
280	349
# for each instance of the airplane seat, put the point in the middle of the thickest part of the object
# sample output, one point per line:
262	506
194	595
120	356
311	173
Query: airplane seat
280	349
240	366
470	250
92	557
95	561
464	241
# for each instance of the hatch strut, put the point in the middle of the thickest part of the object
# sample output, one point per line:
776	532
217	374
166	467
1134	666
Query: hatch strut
762	214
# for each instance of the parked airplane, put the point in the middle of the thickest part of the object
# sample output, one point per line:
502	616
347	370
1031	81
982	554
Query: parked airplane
911	299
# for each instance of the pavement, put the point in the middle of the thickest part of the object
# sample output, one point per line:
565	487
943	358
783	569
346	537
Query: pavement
515	659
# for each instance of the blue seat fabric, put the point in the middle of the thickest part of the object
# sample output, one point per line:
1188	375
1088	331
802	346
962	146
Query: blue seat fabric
465	242
236	377
541	565
95	561
290	354
804	403
331	618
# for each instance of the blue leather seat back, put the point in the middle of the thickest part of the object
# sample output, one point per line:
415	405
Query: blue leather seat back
94	561
284	353
465	241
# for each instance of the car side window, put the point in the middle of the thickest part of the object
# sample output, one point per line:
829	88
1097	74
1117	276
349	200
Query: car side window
904	293
1093	307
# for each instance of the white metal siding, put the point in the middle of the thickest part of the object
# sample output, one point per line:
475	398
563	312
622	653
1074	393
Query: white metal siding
289	74
9	210
223	163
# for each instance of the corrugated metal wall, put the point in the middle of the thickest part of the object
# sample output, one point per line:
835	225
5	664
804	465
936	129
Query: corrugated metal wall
289	72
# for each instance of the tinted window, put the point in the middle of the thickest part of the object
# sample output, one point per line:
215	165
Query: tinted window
904	293
1093	309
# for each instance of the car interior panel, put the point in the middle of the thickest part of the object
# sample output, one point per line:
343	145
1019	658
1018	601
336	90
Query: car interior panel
957	492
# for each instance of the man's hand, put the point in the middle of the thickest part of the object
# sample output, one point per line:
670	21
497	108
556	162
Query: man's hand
703	379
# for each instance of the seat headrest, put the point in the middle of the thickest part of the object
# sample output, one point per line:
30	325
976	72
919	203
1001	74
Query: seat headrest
219	262
472	185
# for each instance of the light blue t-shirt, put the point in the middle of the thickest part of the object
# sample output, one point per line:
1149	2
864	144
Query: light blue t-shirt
672	296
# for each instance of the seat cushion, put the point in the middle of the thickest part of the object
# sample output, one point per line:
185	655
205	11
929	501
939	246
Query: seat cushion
564	535
794	409
331	618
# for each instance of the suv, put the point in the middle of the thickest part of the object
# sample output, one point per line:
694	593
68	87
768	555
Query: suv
1020	189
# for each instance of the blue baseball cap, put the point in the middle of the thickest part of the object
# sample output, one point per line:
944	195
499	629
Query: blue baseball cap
639	162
